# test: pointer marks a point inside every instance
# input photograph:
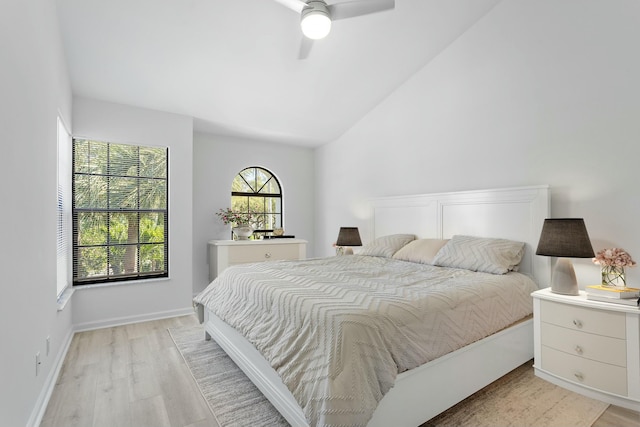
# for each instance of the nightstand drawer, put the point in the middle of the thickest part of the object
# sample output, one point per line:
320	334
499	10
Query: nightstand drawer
586	372
600	322
257	253
582	344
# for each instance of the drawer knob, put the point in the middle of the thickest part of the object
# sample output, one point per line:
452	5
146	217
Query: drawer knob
577	323
579	376
267	255
578	349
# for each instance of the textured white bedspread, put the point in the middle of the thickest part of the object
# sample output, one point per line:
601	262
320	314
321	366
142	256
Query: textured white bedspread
338	330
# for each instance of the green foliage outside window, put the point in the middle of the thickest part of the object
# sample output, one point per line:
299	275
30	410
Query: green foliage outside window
119	211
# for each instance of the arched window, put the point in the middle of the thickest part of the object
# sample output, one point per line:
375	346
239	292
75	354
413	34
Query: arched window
256	191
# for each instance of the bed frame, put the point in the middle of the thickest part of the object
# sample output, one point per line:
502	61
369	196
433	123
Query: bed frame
422	393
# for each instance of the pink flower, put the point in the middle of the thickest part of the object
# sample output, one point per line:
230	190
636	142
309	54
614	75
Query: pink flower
228	216
614	257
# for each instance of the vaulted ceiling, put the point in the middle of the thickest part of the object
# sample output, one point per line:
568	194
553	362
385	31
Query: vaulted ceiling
233	65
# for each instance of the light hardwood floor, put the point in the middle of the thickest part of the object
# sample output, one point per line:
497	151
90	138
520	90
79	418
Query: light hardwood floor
130	375
133	376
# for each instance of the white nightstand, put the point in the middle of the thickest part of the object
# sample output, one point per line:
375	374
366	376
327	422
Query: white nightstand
223	253
589	347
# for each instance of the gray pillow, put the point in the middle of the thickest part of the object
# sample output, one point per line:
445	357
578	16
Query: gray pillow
488	255
421	250
386	246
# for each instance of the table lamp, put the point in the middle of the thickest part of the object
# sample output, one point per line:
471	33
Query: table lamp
348	236
564	238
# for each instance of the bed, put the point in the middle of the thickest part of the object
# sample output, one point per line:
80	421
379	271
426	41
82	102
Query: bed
387	372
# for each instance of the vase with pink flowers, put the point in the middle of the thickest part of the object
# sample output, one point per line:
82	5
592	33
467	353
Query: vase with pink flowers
241	222
613	261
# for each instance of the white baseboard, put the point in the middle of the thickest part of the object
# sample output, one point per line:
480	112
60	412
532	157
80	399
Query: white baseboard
119	321
50	382
47	389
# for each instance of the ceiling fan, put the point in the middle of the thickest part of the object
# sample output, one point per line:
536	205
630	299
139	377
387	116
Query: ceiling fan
316	16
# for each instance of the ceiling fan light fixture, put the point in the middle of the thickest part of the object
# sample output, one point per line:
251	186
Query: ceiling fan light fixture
315	20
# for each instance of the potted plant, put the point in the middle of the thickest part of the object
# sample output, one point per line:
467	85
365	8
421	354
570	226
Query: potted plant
613	261
241	222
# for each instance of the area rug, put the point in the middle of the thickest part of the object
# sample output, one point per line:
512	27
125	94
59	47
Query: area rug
232	397
521	399
518	399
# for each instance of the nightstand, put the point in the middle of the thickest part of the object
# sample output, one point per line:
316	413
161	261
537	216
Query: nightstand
223	253
589	347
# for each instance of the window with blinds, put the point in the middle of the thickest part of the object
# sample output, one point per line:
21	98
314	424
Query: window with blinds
63	210
120	212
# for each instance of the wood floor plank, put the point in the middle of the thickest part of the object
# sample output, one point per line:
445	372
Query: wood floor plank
150	412
73	399
143	383
112	404
67	422
615	416
139	351
115	358
183	401
206	422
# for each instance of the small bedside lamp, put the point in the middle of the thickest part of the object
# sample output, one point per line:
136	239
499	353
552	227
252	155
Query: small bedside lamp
564	238
348	236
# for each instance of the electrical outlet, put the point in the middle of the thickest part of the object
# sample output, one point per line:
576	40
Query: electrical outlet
38	363
48	346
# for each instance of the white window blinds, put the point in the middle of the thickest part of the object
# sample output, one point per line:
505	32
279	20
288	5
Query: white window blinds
120	212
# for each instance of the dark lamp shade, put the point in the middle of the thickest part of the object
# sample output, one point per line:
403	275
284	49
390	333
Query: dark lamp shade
349	236
565	237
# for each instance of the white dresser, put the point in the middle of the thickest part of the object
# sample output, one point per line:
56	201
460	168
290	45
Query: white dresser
589	347
223	253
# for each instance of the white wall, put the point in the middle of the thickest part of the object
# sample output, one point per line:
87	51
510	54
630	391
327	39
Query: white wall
131	301
216	162
34	87
537	92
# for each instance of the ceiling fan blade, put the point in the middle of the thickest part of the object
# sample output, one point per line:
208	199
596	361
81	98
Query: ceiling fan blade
354	8
305	47
295	5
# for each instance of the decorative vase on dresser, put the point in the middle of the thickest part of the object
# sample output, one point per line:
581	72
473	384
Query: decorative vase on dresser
613	276
242	231
589	347
223	253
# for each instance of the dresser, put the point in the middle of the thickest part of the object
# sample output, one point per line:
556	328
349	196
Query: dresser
223	253
589	347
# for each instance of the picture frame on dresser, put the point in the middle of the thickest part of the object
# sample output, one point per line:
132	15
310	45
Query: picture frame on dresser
588	347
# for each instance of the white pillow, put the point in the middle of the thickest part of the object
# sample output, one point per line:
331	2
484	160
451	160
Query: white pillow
496	256
386	246
422	250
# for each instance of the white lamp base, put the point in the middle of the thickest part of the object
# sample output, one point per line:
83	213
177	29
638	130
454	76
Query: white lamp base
344	250
563	279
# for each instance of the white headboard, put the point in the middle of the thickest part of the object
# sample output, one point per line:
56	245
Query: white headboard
508	213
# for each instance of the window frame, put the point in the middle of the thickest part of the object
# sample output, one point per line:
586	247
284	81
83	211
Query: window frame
258	194
108	211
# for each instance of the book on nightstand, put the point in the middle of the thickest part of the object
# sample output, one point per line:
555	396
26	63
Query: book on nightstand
613	292
633	302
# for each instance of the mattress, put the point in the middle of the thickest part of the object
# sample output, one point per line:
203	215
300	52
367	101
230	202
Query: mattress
339	330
